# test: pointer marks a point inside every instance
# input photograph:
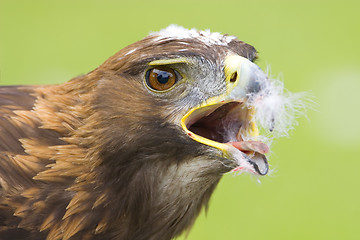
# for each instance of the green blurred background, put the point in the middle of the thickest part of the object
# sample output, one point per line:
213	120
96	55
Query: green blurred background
312	45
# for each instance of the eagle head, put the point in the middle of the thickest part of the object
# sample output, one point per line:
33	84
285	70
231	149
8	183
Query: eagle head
135	148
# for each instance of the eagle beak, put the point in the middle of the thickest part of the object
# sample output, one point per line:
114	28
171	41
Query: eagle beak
250	80
227	122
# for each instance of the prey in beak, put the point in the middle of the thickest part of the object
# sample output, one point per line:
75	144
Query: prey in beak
227	122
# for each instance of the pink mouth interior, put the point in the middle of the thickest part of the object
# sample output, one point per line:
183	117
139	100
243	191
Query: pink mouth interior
224	125
255	146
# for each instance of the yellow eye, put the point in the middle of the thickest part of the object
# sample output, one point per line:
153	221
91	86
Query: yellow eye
161	78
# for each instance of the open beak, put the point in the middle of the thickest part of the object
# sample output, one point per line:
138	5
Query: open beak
227	122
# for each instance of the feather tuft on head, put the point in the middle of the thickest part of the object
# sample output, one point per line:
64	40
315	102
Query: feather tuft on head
174	31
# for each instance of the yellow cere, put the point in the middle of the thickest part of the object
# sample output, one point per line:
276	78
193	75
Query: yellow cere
232	65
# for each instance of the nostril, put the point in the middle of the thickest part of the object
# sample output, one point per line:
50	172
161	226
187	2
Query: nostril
233	77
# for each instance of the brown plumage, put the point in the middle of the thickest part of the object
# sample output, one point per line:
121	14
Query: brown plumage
102	157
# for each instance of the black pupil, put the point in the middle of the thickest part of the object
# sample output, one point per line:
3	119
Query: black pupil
162	76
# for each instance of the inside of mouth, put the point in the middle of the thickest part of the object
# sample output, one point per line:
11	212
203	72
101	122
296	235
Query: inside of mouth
222	124
225	123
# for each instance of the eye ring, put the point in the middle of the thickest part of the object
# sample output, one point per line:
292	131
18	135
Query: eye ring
161	78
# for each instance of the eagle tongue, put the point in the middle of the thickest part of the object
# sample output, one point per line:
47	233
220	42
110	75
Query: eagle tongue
255	146
257	159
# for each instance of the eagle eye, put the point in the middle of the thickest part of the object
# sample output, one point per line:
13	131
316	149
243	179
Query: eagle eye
161	78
